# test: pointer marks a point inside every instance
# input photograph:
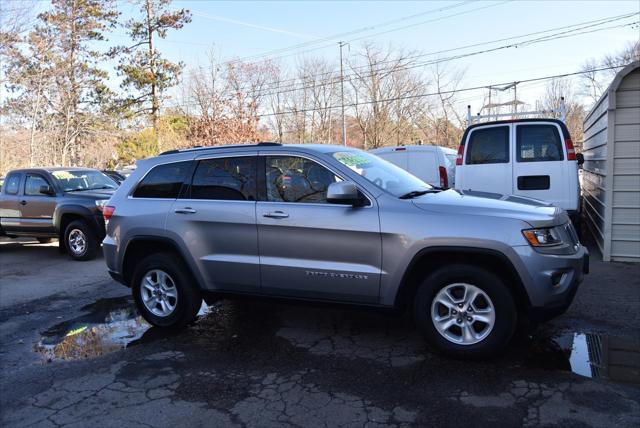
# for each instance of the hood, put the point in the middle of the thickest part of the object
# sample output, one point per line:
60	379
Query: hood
92	194
533	211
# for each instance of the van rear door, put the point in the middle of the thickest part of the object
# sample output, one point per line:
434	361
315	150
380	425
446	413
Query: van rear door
539	167
424	165
487	165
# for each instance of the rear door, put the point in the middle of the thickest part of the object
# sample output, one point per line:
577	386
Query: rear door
10	207
424	165
216	219
37	207
487	160
539	170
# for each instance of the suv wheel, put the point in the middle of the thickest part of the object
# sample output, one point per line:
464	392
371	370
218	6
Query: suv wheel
81	241
465	311
164	292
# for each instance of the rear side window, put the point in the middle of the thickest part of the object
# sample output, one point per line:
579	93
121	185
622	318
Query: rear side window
229	179
163	181
538	143
33	184
11	184
489	145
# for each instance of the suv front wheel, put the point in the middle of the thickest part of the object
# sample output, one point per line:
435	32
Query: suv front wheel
164	291
465	311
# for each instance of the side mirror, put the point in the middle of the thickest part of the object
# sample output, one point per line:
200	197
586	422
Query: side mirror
46	190
580	158
345	193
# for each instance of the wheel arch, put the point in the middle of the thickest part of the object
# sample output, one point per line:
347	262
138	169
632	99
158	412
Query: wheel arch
429	259
142	246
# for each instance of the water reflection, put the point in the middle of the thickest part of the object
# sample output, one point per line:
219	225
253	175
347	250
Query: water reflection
598	356
108	325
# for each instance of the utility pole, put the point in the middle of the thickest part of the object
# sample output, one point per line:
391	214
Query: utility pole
344	124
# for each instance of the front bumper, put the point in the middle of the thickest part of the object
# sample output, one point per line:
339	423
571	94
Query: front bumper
552	280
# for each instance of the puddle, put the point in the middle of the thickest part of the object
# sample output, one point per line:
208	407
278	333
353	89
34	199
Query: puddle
107	326
616	359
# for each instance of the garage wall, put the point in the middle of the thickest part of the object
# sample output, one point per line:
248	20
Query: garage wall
594	170
625	222
611	172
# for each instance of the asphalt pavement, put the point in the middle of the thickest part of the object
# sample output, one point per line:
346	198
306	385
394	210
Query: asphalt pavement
74	352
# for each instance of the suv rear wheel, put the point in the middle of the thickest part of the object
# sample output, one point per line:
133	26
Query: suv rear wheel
81	241
465	311
164	291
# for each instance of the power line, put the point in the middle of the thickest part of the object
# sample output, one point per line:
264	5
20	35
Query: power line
474	88
345	34
567	29
350	77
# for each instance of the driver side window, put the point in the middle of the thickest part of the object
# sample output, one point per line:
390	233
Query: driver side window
296	179
33	184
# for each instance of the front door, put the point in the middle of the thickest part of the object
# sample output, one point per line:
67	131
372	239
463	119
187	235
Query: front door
308	247
37	207
10	206
487	165
538	168
216	220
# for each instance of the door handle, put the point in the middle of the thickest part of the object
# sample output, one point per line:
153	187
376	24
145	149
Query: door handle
275	214
185	210
23	202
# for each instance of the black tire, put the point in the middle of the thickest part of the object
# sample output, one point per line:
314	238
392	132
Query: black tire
189	299
90	237
492	285
44	240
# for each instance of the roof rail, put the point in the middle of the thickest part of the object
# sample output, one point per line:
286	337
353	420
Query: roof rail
194	148
478	117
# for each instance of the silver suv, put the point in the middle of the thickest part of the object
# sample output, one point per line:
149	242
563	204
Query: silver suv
334	224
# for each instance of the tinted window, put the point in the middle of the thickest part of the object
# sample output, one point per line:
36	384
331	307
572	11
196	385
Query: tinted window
538	143
295	179
232	179
163	181
33	184
11	184
490	145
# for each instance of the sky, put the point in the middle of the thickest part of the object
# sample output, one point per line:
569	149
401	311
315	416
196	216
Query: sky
239	29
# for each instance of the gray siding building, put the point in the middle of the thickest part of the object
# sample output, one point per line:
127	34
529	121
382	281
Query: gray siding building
611	173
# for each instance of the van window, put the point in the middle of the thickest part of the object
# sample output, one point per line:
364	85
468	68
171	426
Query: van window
163	181
538	143
11	184
489	145
227	179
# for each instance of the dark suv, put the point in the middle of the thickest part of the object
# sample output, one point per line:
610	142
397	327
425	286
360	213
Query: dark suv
63	203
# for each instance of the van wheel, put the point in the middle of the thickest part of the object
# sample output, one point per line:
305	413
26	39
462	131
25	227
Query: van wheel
80	241
465	311
164	291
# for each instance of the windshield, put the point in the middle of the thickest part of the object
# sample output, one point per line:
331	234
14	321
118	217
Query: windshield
383	174
73	181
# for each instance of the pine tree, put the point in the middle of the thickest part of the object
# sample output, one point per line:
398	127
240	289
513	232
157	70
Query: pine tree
146	73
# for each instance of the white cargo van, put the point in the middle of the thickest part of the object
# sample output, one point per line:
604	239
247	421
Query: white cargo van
526	157
432	164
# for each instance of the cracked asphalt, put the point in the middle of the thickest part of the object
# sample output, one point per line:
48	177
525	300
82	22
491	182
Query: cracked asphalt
274	364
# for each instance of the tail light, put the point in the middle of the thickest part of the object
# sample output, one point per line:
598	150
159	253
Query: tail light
460	154
444	180
107	212
571	151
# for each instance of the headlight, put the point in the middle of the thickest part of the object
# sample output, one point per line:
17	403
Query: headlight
542	237
101	203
